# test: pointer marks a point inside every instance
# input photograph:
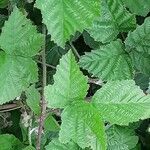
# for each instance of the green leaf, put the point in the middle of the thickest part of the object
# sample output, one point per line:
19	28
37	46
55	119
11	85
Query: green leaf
3	3
20	41
69	83
142	80
56	145
9	142
54	54
50	124
2	20
110	62
29	148
82	123
139	38
67	17
33	99
19	37
139	7
121	138
141	61
114	19
122	102
90	41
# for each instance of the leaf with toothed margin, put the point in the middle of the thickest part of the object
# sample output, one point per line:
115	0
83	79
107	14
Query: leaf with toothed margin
82	123
63	18
122	102
69	83
114	19
109	62
19	41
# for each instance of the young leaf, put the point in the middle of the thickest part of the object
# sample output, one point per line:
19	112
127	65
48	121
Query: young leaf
114	19
81	123
139	7
110	62
69	85
122	102
33	99
20	41
50	124
64	18
121	138
56	145
139	38
9	142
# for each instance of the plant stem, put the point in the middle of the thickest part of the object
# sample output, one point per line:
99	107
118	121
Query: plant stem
43	101
47	65
74	50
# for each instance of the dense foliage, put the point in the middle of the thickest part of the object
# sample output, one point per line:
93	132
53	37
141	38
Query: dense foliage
74	74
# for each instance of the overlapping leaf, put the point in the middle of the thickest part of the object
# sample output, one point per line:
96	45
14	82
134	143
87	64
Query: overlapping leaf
70	84
110	62
121	138
139	38
81	123
64	18
56	145
139	7
20	41
122	102
114	19
141	61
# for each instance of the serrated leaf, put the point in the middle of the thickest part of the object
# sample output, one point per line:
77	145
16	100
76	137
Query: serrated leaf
16	74
81	123
19	37
121	102
139	7
69	83
67	17
33	99
114	19
56	145
9	142
110	62
121	138
139	38
19	40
